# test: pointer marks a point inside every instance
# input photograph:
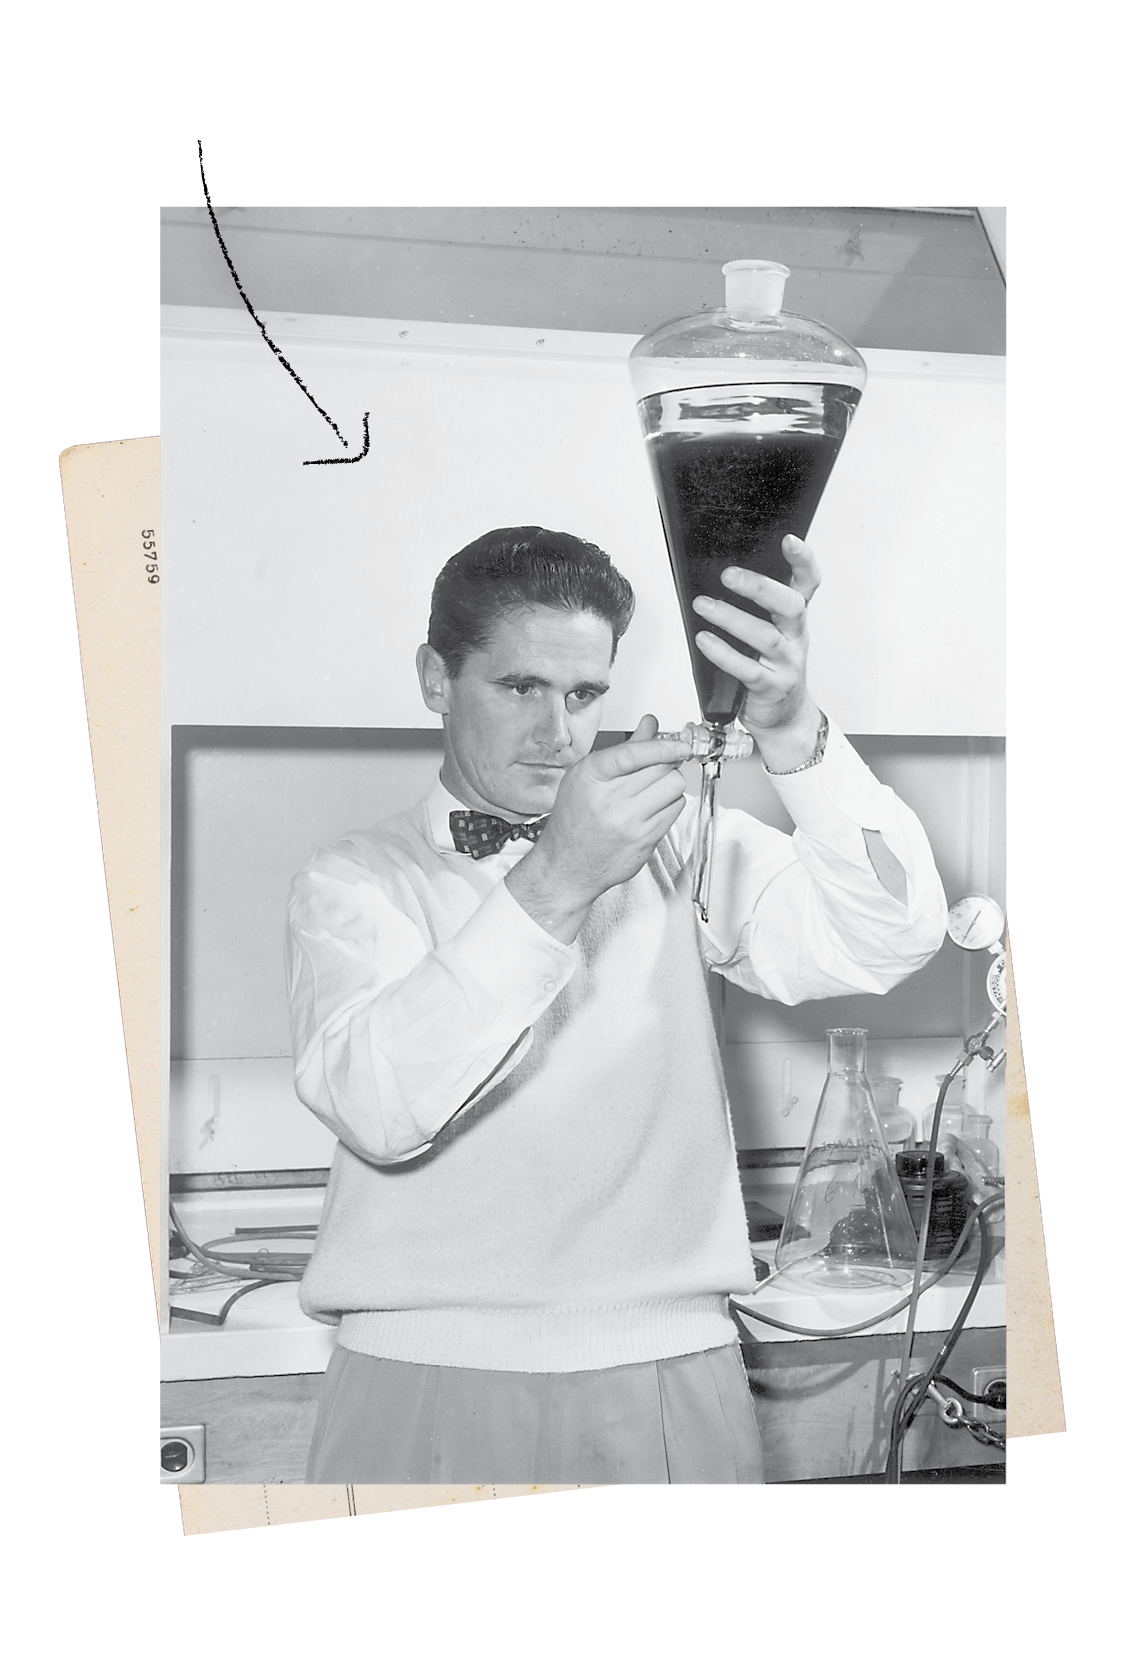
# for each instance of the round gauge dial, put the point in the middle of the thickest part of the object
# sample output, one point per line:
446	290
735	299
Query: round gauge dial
976	923
997	983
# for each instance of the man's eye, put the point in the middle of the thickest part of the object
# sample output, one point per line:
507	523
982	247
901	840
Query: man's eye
523	688
583	697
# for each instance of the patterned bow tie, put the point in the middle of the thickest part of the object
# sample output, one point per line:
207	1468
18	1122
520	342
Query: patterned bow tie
483	836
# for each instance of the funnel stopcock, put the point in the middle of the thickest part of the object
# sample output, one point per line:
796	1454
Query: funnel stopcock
711	741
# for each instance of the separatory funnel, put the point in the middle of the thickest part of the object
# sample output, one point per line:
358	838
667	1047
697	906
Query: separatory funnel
744	410
848	1225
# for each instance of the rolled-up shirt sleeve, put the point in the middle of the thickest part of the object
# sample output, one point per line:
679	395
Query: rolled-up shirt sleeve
803	916
393	1037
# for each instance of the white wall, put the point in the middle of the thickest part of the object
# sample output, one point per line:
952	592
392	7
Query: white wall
294	595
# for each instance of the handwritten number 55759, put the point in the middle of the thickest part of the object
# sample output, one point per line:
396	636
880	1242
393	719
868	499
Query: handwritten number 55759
150	556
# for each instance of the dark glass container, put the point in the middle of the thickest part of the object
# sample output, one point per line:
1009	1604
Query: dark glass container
950	1200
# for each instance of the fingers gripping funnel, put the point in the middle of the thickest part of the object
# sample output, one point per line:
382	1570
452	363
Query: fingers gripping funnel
848	1224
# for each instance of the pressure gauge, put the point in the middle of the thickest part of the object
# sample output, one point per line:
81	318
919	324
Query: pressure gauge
997	983
976	923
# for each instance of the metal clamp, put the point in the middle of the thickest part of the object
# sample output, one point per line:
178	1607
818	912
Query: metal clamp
950	1410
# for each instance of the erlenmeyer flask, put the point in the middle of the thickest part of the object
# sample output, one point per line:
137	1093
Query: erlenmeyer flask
848	1224
744	409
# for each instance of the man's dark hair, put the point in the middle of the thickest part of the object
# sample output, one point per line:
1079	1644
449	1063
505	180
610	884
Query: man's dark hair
521	567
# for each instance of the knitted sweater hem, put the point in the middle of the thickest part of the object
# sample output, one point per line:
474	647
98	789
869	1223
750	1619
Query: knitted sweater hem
541	1340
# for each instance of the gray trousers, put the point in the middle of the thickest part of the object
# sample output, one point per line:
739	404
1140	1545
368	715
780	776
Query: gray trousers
689	1419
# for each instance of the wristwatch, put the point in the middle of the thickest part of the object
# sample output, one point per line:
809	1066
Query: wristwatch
821	743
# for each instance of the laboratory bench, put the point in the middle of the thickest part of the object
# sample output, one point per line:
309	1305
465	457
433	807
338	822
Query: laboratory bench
821	1404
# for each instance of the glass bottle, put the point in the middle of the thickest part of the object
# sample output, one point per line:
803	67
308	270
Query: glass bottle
977	1155
949	1199
975	1137
951	1118
744	409
847	1224
898	1123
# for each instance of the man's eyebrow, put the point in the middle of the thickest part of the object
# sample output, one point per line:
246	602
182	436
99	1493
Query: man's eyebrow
510	678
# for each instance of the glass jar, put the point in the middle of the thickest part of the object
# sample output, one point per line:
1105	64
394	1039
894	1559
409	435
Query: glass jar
898	1123
977	1155
950	1199
975	1137
951	1118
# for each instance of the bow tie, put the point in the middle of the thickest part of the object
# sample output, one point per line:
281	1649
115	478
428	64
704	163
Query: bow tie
483	836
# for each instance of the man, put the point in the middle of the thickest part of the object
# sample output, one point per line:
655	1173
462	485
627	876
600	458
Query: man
534	1221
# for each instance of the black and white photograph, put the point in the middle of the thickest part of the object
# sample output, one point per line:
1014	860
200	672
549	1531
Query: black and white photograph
572	833
583	826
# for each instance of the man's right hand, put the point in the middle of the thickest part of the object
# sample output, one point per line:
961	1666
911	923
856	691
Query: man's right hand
611	811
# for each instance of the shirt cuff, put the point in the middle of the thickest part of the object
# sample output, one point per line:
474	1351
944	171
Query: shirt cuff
839	790
505	951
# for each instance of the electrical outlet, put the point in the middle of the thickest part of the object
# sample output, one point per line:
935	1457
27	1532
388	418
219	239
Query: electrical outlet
982	1380
183	1453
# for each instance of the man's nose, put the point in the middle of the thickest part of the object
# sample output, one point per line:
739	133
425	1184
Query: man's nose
553	726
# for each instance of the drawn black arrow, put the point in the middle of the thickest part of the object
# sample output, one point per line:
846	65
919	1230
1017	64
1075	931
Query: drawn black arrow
279	355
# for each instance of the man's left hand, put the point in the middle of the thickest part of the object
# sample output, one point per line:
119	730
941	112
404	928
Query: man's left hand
778	712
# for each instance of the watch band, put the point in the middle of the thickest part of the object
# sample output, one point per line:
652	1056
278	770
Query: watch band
821	743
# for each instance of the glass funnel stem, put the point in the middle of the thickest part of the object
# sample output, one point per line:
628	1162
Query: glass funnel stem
705	834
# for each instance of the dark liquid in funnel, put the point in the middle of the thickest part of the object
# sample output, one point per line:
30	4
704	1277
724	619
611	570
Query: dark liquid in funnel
728	499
